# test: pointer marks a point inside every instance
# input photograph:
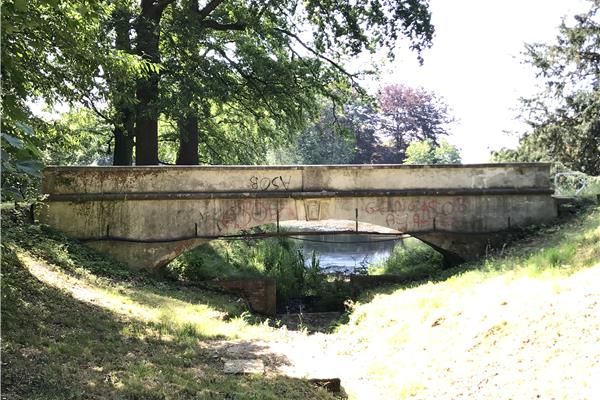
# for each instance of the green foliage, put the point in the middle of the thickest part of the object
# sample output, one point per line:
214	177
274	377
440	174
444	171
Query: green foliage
410	114
278	258
445	153
565	117
410	258
568	183
49	50
406	119
420	152
326	142
52	52
505	155
252	75
341	135
21	163
78	137
426	152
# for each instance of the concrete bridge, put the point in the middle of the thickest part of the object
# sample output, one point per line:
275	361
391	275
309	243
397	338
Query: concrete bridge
146	216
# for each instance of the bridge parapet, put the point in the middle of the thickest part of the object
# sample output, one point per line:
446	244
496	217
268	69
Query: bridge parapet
145	216
297	178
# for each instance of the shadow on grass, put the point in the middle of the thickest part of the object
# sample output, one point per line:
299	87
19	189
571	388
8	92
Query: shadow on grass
71	257
54	346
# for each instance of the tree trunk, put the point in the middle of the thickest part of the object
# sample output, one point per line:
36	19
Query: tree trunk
123	132
125	119
188	140
146	121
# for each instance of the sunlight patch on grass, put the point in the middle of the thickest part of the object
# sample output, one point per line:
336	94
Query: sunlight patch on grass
511	308
171	316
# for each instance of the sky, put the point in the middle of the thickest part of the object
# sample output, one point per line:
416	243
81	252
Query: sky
476	65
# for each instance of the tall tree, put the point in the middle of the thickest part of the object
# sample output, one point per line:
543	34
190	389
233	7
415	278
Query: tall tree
257	41
409	114
241	89
147	29
121	90
50	52
363	121
329	141
565	117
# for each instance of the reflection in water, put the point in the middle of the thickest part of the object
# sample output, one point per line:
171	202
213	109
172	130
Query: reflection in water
345	253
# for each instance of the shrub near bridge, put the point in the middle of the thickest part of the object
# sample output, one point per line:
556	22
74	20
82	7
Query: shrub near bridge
277	258
411	257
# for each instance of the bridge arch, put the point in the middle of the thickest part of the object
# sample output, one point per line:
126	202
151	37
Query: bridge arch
155	253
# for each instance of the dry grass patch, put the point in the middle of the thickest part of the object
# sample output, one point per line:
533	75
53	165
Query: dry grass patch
518	326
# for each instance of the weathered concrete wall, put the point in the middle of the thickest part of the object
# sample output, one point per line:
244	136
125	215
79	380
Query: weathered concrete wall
317	178
145	216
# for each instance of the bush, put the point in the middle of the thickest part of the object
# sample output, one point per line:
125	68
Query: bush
409	257
570	183
277	258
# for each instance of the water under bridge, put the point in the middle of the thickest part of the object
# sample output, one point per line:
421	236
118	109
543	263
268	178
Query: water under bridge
147	216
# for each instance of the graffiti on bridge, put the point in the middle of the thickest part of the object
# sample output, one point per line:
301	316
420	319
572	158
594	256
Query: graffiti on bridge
250	213
270	183
407	215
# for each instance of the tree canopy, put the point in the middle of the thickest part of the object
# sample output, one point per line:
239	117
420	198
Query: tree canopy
219	81
379	130
427	152
565	116
411	114
49	51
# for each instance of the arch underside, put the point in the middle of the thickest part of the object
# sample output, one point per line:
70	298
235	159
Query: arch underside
149	256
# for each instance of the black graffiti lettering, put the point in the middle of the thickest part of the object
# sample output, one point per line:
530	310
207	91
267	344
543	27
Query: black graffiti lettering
286	184
254	182
274	182
265	183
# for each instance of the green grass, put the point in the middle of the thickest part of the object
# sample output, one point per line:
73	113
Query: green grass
77	325
412	258
411	335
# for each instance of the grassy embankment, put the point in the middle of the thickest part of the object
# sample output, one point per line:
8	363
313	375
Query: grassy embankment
521	325
76	325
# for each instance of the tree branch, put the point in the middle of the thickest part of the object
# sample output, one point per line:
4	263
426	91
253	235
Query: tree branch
321	56
208	8
248	77
212	24
91	104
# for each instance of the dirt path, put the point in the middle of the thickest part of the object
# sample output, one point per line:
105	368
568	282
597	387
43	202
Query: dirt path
298	355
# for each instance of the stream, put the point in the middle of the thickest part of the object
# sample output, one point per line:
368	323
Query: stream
347	253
